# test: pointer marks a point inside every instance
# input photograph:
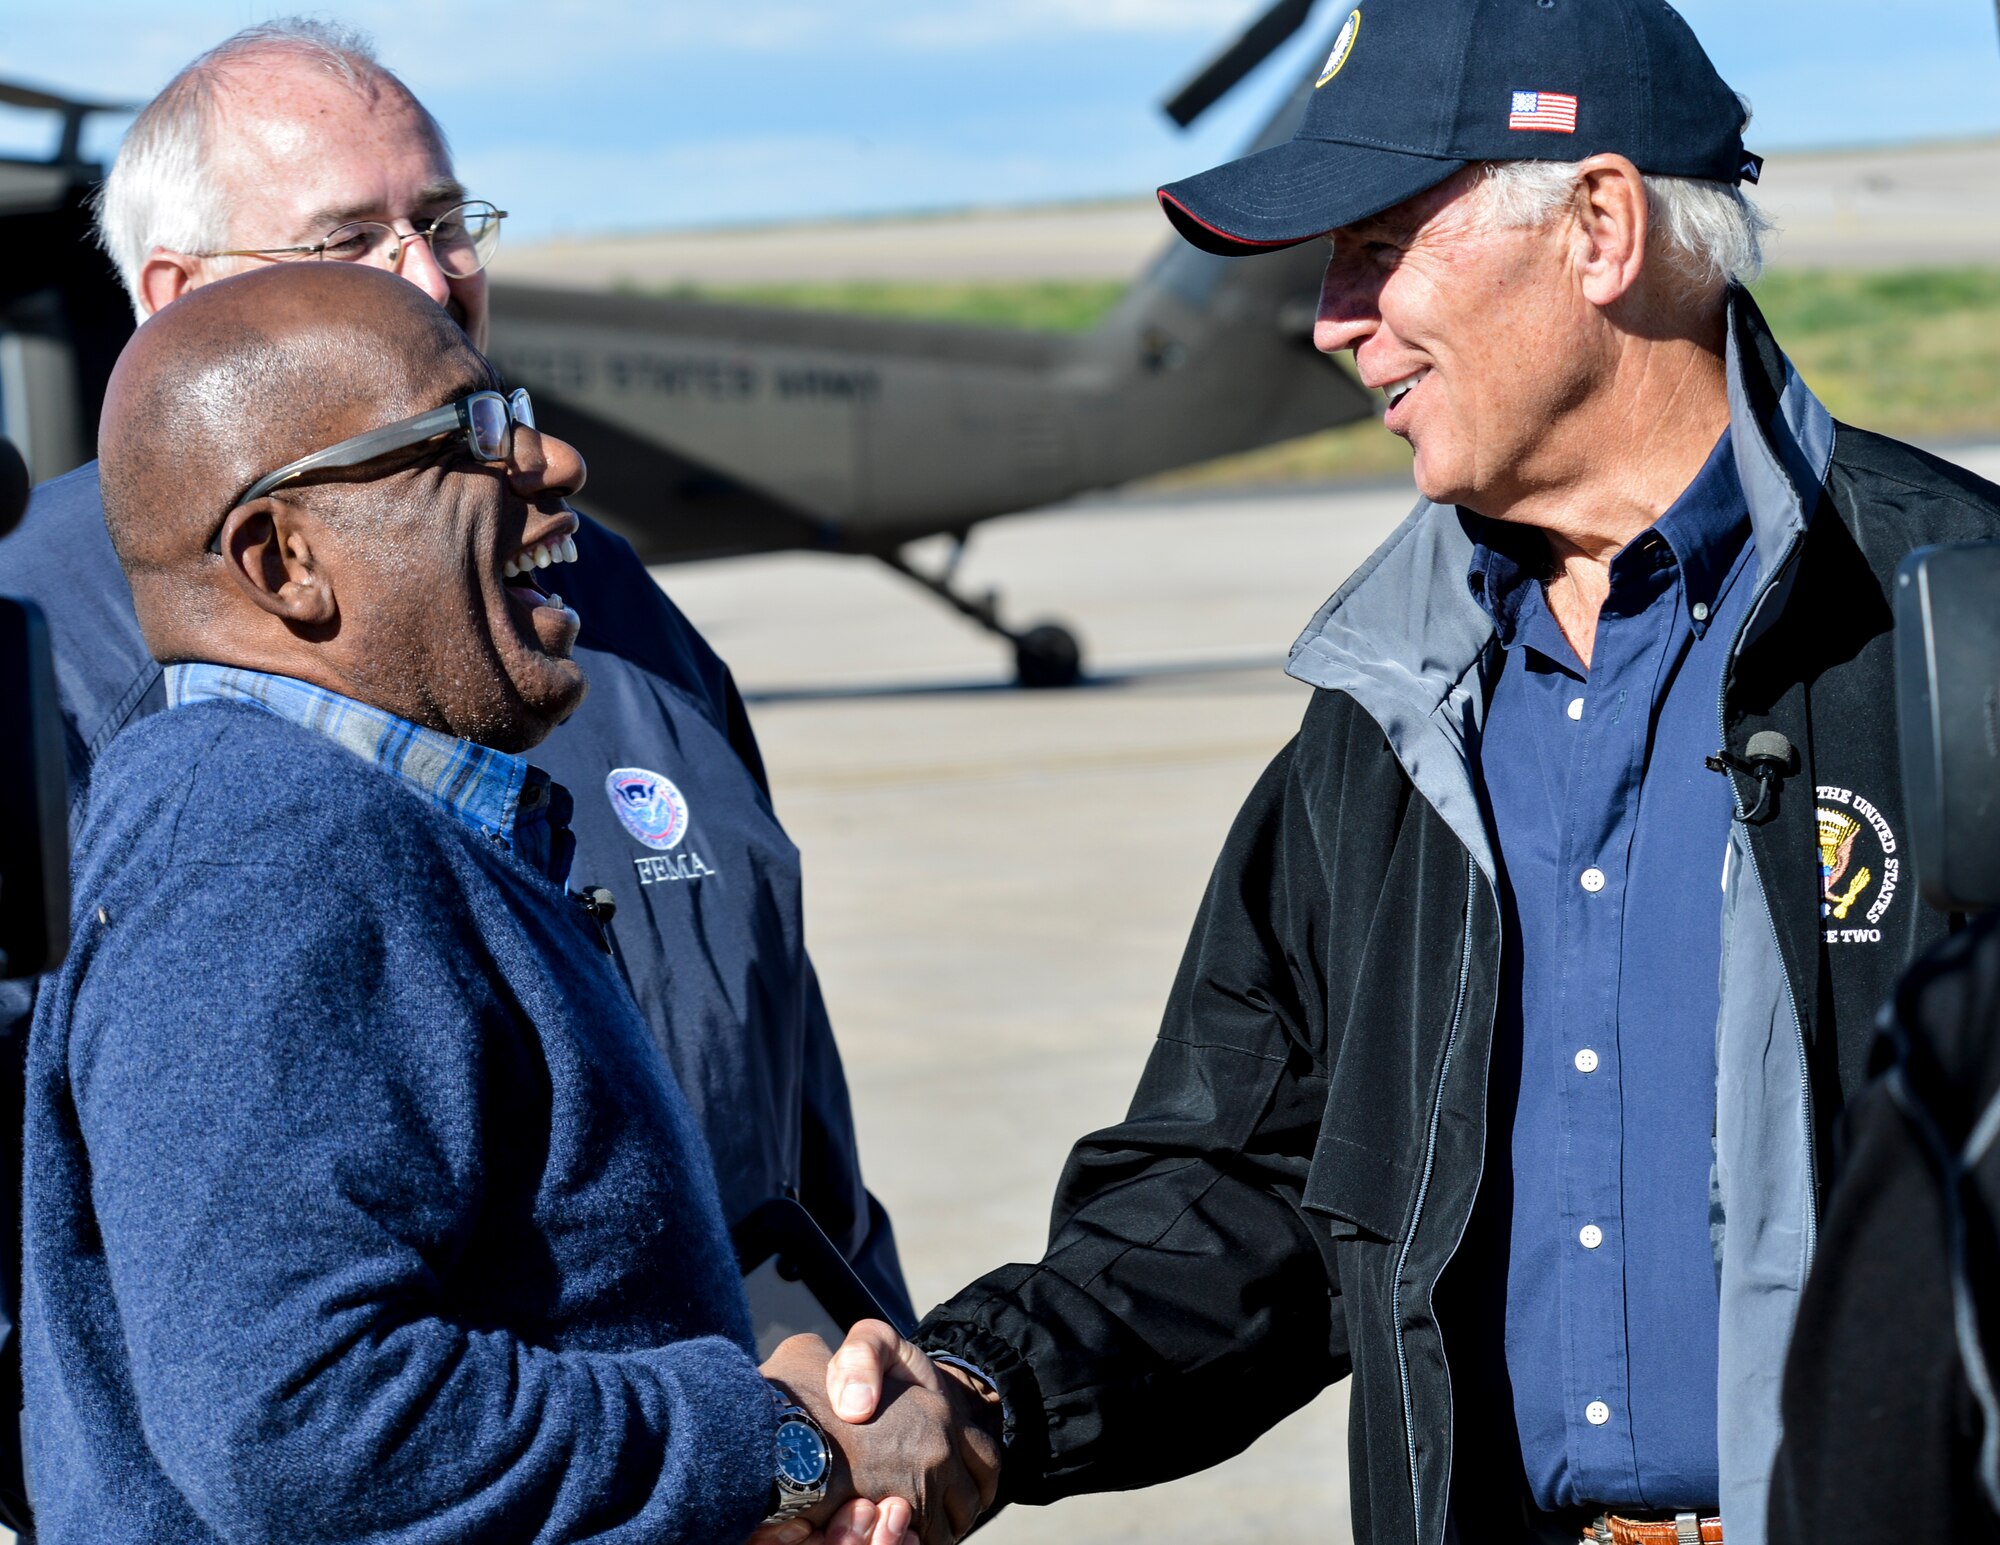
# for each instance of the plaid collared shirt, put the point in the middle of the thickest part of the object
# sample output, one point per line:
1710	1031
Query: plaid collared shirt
500	797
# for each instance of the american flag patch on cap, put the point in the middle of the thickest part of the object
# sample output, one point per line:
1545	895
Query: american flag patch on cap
1549	110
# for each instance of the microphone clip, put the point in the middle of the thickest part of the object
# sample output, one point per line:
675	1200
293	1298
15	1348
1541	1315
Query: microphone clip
1769	758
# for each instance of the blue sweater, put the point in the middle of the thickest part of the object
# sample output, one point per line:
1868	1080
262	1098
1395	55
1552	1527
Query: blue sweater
360	1205
710	927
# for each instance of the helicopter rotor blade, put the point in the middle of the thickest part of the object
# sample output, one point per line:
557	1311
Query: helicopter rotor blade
1251	47
15	95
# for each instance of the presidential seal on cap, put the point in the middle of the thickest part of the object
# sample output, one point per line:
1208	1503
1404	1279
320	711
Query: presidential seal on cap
1415	90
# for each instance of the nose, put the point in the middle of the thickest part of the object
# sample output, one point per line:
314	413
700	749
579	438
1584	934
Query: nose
1349	303
542	465
418	264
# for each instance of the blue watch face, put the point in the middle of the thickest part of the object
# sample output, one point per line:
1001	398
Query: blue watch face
802	1456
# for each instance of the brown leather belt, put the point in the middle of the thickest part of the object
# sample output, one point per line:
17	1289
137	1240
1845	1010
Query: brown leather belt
1680	1529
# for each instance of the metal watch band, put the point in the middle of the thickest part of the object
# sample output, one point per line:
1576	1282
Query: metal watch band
788	1497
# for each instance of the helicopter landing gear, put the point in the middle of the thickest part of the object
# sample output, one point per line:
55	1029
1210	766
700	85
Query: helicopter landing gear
1045	655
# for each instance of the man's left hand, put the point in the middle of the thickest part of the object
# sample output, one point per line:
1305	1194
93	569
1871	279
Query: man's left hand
860	1522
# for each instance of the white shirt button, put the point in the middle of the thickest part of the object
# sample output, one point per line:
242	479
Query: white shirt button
1576	708
1597	1413
1586	1061
1700	610
1593	880
1591	1236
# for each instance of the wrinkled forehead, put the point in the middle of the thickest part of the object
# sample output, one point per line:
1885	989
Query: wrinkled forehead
303	150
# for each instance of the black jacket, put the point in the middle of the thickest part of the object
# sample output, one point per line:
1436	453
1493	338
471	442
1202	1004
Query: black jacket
1301	1157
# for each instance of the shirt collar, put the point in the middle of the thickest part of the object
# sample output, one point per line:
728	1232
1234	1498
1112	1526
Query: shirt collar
1703	534
1706	530
498	796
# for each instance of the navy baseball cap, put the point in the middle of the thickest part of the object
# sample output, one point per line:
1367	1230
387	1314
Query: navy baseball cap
1415	90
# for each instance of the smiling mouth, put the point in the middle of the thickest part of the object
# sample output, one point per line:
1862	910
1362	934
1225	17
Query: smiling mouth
522	572
1396	391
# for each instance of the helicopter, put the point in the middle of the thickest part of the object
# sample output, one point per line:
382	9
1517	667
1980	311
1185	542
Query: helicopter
715	429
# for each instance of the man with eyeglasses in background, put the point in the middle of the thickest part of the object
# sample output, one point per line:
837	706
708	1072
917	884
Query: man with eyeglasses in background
289	142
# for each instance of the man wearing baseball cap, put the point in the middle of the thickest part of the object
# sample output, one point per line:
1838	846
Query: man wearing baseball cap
1500	1070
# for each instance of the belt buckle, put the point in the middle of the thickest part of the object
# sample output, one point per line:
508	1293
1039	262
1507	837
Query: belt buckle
1687	1529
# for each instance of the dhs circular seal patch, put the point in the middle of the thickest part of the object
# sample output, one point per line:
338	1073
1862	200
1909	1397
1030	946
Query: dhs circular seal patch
648	806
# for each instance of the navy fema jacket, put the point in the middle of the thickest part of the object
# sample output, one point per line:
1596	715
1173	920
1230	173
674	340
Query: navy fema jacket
673	815
359	1204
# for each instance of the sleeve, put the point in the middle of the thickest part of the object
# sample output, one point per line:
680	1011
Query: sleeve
830	1186
1184	1305
285	1107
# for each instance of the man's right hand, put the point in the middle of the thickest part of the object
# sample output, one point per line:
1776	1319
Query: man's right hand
876	1368
916	1432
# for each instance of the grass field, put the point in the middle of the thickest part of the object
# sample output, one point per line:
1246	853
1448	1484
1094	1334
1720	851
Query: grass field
1043	305
1914	353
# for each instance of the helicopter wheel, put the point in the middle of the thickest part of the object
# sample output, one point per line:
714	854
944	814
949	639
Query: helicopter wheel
1047	656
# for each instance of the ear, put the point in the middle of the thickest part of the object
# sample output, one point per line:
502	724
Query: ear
268	552
166	276
1612	226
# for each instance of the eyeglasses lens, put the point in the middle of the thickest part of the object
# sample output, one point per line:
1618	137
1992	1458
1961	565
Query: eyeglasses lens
365	241
490	420
464	239
522	407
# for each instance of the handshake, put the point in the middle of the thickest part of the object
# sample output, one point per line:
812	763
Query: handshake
916	1444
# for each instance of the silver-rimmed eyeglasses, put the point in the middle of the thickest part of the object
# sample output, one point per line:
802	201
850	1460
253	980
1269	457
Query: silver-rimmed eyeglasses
484	419
462	240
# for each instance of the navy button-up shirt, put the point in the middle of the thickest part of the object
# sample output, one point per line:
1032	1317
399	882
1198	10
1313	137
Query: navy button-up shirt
1611	836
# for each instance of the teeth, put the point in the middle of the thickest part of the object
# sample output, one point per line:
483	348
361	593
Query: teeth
1396	391
556	601
540	556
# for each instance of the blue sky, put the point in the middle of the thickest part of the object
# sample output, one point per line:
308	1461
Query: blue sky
608	114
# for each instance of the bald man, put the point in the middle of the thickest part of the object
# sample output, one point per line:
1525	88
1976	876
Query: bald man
360	1203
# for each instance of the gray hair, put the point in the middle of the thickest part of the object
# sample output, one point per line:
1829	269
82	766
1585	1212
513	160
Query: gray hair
1710	232
162	191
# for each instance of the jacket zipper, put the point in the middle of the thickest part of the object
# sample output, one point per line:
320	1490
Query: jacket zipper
1423	1192
1771	922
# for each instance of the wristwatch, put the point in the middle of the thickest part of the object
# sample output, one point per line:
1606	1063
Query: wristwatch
804	1463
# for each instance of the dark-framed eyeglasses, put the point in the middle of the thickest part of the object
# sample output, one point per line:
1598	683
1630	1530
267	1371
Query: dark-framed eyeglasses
485	420
462	240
